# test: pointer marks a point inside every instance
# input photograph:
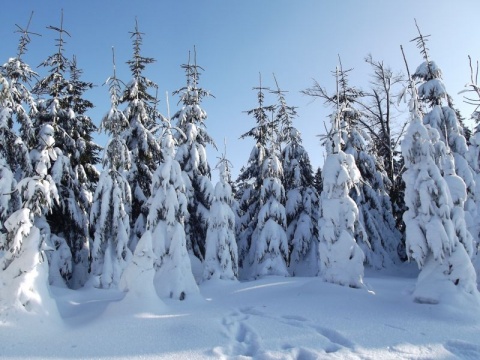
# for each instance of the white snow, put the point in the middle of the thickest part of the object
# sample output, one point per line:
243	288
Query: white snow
271	318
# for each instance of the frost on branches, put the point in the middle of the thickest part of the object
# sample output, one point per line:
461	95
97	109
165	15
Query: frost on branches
433	219
165	227
221	255
341	259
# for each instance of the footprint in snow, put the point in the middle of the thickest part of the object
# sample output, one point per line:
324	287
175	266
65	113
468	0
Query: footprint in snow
463	349
243	340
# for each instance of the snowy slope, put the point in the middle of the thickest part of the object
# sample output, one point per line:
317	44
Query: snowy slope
271	318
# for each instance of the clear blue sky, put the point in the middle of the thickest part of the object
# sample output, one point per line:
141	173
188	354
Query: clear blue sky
235	40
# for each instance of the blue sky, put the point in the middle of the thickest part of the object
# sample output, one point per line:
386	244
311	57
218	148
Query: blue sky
237	40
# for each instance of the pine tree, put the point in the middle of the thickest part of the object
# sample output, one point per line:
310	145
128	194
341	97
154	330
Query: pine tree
474	154
20	101
318	181
432	217
376	231
140	136
86	154
166	226
111	207
69	218
269	249
301	203
24	269
443	117
16	105
341	259
250	181
192	156
221	254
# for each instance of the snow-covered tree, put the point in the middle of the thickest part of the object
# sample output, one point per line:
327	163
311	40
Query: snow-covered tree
434	216
86	154
110	214
318	181
165	229
69	218
221	254
13	153
250	181
16	104
140	135
192	157
474	153
301	203
440	115
341	259
19	99
24	270
376	231
269	248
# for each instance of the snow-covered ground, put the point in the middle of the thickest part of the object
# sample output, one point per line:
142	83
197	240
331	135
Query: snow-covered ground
271	318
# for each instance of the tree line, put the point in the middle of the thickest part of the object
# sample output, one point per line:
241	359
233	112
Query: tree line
136	214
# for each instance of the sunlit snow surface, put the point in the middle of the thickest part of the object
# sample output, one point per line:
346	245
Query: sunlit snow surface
271	318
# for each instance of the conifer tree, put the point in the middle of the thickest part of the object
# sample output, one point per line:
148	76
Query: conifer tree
221	254
69	218
432	216
318	181
269	248
250	181
376	231
86	154
111	207
474	154
9	197
166	226
192	157
301	204
20	101
140	135
440	115
16	105
24	270
341	259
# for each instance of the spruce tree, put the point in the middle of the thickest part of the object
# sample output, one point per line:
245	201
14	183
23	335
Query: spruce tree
432	216
318	181
474	153
140	136
341	259
221	254
69	218
16	106
165	229
440	115
86	154
24	269
301	203
250	181
376	231
192	157
111	207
